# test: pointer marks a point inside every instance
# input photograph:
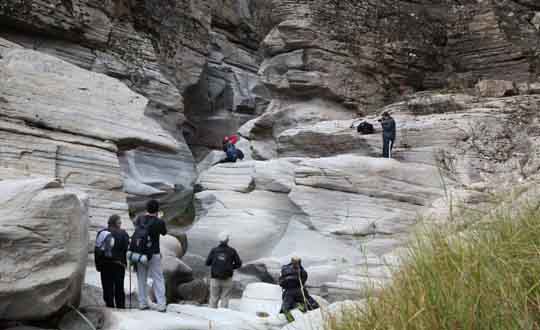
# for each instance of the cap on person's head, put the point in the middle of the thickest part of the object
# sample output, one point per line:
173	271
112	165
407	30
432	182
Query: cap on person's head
152	206
226	138
386	114
113	219
224	237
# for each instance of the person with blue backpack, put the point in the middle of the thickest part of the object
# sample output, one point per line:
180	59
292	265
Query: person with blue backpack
232	153
110	258
144	253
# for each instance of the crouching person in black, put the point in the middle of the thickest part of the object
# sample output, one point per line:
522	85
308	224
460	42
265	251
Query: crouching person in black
295	295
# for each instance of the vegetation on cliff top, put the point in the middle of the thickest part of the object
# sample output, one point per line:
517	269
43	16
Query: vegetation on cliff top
487	277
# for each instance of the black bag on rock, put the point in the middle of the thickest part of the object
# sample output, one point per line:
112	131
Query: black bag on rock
365	128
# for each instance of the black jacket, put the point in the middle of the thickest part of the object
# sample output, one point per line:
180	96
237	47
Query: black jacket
291	276
157	227
121	244
223	260
389	128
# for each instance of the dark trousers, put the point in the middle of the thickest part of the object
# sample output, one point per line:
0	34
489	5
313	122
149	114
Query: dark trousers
112	281
388	144
293	297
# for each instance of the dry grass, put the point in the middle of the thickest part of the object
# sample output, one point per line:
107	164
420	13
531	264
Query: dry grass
486	278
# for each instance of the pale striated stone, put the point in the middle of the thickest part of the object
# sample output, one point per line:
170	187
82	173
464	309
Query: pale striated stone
44	231
82	163
76	101
255	227
229	176
171	246
274	175
326	138
168	177
495	88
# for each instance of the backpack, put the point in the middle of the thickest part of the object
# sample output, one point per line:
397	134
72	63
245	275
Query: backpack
239	154
222	266
103	248
231	152
141	243
365	128
289	278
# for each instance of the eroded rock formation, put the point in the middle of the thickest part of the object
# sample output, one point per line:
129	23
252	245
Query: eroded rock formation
44	239
129	99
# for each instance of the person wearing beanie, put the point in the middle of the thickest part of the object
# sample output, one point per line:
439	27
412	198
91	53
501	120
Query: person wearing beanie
113	268
223	260
295	295
155	227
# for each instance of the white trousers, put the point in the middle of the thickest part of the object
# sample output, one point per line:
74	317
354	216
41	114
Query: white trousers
158	282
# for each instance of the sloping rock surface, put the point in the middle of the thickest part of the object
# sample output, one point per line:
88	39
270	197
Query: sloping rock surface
44	239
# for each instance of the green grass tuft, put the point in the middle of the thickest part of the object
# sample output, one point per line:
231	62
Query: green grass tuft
487	277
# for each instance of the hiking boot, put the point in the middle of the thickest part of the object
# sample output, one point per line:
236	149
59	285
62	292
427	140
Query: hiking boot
289	316
143	307
162	308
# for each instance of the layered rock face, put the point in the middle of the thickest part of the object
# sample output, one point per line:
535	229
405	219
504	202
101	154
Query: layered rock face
44	237
130	41
61	121
229	92
358	52
136	91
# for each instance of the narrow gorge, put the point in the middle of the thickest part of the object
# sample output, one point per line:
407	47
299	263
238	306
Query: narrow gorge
105	104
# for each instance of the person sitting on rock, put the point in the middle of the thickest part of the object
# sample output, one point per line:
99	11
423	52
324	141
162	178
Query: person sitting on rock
389	133
295	295
113	267
233	153
223	260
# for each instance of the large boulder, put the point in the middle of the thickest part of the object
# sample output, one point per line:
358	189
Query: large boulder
260	299
171	246
175	273
44	230
196	291
150	173
255	227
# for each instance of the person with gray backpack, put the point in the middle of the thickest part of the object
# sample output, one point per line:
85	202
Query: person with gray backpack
110	258
144	253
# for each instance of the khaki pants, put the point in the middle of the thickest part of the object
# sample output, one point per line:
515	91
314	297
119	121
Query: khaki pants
220	290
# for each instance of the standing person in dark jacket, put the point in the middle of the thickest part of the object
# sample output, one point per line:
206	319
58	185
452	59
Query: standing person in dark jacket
389	134
114	268
223	260
293	280
156	227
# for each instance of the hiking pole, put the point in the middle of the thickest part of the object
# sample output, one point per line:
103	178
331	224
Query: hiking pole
130	293
307	304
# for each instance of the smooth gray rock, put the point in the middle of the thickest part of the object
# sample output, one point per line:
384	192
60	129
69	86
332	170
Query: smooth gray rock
175	272
255	227
76	101
229	176
45	228
196	291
